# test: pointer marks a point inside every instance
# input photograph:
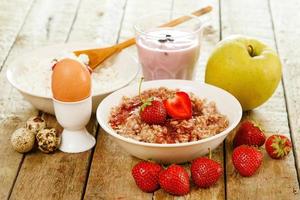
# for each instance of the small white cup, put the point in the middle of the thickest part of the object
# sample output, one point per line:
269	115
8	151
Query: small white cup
73	117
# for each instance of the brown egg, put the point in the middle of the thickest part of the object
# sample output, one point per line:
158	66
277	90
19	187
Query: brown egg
71	81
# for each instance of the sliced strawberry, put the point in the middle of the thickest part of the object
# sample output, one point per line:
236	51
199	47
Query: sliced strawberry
180	106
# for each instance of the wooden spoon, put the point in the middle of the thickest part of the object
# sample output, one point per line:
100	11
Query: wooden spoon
97	56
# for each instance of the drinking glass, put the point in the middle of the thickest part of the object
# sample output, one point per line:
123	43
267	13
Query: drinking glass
168	52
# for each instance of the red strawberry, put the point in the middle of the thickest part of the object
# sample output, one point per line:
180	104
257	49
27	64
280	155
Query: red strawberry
153	112
249	134
205	172
146	175
278	146
175	180
246	159
180	106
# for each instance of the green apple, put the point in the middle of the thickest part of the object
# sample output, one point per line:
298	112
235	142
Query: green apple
245	67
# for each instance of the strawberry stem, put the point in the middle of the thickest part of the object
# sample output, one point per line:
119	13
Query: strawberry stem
165	166
140	88
209	153
280	147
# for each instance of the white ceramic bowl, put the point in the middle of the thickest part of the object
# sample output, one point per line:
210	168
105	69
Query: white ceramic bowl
123	63
172	153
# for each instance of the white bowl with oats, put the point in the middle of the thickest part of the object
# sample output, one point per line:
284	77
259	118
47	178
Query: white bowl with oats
215	114
30	73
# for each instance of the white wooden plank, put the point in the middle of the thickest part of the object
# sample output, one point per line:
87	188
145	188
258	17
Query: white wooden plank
98	22
12	16
287	30
138	8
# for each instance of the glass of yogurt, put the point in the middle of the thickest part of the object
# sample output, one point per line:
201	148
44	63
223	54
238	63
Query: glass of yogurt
168	52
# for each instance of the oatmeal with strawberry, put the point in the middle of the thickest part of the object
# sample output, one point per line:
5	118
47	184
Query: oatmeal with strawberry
167	116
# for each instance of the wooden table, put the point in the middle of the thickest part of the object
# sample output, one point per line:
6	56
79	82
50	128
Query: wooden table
104	172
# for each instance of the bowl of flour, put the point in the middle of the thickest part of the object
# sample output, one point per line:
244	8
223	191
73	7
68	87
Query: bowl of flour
31	72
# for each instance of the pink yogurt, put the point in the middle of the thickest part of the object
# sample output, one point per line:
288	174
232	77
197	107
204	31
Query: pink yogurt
168	54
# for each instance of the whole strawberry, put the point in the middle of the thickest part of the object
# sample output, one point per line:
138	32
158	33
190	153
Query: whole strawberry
175	180
205	172
246	160
249	134
146	175
278	146
153	112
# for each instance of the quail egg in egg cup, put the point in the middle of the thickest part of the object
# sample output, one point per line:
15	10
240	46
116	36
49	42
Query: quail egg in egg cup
73	117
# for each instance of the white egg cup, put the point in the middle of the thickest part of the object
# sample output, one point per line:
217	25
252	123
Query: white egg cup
73	117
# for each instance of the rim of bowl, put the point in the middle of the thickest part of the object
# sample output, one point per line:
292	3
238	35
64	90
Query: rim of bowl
112	132
10	79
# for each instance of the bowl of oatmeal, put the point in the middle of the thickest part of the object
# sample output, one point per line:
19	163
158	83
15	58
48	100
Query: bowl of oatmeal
30	73
214	114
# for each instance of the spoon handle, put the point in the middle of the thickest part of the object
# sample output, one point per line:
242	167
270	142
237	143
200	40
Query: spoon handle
125	44
185	18
172	23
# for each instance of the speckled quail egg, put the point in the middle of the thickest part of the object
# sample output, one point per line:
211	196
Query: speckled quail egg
35	124
22	140
48	140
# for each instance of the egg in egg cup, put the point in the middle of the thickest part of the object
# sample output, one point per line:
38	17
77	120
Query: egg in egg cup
72	99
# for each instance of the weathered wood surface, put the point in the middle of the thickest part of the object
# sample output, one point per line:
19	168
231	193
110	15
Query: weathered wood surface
98	22
105	173
10	25
12	17
53	176
251	18
286	22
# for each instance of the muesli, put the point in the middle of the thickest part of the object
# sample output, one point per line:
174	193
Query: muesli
205	120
